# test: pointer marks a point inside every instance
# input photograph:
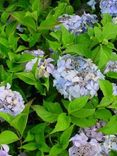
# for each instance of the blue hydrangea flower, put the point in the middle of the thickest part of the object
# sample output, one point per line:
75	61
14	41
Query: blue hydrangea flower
76	76
93	132
77	24
83	147
110	143
109	6
10	101
4	150
91	142
44	67
111	66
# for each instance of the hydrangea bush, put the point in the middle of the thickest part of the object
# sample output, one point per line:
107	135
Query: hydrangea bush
58	72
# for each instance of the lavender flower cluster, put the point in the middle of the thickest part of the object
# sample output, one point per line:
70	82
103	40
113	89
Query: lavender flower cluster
112	67
77	24
4	150
91	142
76	76
44	66
109	6
10	101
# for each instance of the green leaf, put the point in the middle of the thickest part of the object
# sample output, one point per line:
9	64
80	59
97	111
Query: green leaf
31	146
27	77
4	42
63	122
47	24
111	127
77	104
24	20
55	150
112	75
38	133
113	153
83	113
44	114
64	139
7	137
37	6
106	87
20	121
98	34
29	137
6	117
103	114
85	122
24	58
107	18
110	31
106	101
67	37
104	55
53	107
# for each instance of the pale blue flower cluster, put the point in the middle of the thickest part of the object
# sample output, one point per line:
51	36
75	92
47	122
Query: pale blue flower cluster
4	150
82	146
109	6
10	101
77	24
76	76
111	66
92	4
91	142
44	65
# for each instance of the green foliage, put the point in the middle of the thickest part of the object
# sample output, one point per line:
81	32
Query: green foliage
111	127
7	137
48	121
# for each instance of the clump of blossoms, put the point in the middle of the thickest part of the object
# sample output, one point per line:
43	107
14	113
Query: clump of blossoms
93	132
109	6
44	65
114	20
110	143
84	147
92	4
91	142
10	101
77	24
111	66
76	76
4	150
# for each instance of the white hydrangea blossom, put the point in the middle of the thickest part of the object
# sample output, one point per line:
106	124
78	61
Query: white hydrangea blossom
44	66
110	143
76	76
20	28
10	101
114	20
77	24
111	66
92	4
83	147
4	150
